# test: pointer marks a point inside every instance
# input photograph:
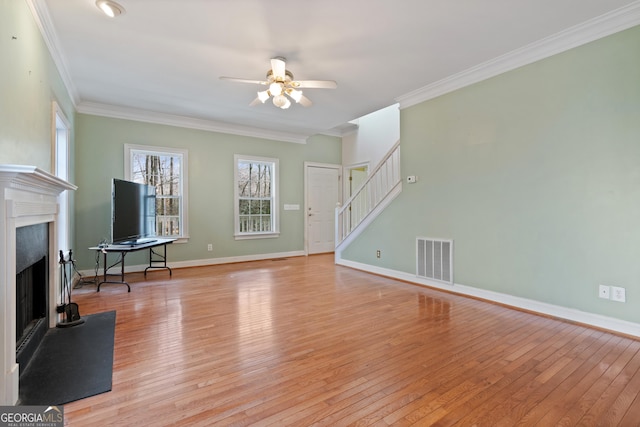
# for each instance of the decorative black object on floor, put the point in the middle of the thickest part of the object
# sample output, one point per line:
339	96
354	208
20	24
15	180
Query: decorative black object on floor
70	309
71	363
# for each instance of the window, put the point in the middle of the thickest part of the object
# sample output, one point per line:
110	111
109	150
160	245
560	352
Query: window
166	170
256	201
61	141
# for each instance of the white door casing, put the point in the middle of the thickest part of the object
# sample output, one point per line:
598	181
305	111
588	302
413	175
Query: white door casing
355	175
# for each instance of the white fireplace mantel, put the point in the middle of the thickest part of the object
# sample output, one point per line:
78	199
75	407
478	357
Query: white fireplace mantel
28	196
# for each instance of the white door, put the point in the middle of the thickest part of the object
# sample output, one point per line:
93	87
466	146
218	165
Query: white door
322	195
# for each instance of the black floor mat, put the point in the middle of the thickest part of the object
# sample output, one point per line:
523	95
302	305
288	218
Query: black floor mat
71	363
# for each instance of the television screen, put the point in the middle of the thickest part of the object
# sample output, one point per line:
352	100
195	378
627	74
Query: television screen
133	212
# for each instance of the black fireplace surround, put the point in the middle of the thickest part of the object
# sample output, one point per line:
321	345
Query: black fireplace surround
32	287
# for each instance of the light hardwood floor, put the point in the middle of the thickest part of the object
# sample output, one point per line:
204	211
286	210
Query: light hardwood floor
303	342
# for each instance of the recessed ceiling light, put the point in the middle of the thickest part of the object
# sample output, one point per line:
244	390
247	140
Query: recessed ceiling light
110	8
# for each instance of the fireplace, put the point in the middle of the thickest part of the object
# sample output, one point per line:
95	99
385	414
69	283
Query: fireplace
32	289
28	207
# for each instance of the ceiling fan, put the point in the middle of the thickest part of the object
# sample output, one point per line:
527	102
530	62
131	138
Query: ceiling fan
282	87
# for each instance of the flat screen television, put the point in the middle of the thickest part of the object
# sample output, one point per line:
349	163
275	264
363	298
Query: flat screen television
133	212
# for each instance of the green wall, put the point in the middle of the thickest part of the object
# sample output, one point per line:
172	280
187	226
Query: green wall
100	157
535	175
30	82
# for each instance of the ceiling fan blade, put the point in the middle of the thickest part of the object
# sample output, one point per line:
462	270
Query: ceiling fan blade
318	84
278	68
234	79
255	102
306	102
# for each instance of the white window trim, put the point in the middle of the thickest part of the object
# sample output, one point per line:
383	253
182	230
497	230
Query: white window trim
61	148
184	200
275	211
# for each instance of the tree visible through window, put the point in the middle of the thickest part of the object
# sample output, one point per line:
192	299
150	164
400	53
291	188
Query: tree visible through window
165	171
256	206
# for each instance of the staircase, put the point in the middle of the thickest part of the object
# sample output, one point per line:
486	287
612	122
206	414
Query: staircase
382	185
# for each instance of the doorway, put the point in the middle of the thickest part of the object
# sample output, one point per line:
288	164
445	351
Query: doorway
355	175
322	194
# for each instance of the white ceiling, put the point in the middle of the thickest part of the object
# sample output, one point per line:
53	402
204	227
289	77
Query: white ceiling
163	58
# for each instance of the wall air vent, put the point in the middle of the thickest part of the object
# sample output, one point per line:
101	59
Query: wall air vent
434	259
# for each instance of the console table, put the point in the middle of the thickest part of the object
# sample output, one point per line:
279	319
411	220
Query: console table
156	260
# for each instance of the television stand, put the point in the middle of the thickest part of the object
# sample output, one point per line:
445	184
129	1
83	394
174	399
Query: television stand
160	260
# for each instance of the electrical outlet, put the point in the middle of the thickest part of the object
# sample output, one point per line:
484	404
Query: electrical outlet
604	291
378	253
618	294
210	247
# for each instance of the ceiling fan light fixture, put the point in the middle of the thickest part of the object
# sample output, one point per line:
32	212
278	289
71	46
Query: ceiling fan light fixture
296	95
110	8
275	88
263	96
281	101
281	85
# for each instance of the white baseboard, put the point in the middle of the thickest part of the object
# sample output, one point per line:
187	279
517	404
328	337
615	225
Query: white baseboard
591	319
200	262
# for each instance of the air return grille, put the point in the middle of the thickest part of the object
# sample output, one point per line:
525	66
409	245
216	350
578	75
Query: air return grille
434	259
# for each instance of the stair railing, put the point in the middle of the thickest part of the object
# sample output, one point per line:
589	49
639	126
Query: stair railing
383	182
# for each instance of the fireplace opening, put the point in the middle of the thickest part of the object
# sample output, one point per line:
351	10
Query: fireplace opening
32	289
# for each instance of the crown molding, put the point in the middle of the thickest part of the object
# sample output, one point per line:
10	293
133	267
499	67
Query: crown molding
594	29
602	26
42	18
116	112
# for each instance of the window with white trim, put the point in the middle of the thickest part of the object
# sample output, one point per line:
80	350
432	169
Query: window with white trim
166	170
62	142
256	197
